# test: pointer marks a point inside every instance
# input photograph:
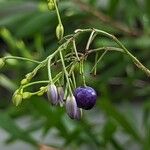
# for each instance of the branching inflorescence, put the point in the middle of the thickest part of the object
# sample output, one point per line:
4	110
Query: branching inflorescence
75	99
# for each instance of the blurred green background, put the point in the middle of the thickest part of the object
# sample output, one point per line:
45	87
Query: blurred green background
121	118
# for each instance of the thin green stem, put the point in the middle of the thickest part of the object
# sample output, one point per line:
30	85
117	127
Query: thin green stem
49	69
90	40
134	59
33	83
74	79
62	79
61	73
82	72
46	81
99	60
66	90
75	49
70	54
65	71
72	68
35	93
105	48
96	59
22	58
42	64
80	67
71	83
57	11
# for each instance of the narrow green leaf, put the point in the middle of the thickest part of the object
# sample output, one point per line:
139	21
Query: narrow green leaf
12	128
7	83
111	111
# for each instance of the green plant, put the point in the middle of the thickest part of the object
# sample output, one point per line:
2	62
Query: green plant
68	44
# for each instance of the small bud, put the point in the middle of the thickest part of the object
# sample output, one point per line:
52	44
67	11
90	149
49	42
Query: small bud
2	62
17	98
60	95
51	5
43	88
60	31
26	95
71	107
29	76
42	91
24	81
52	94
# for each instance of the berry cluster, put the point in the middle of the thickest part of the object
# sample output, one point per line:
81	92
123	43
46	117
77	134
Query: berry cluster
83	98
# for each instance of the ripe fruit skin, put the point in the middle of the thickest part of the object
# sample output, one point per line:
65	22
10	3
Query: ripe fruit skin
85	97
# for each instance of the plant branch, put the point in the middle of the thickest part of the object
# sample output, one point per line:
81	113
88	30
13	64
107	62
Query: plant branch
21	58
57	11
65	71
89	41
75	49
100	58
106	48
134	59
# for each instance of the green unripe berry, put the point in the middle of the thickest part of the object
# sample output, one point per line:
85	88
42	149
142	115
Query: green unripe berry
60	31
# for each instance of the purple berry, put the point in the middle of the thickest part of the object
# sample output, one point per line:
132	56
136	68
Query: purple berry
85	97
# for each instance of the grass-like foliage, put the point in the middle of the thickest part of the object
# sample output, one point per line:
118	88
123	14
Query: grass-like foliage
79	62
